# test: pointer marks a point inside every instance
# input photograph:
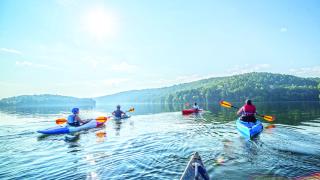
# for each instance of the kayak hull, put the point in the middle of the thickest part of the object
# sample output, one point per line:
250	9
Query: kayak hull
195	169
123	117
249	129
55	130
190	111
70	129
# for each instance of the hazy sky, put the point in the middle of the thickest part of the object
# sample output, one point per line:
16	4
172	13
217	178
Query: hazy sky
93	48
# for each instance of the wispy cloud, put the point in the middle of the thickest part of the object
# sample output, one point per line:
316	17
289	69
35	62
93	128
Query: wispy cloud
306	71
12	51
124	67
34	65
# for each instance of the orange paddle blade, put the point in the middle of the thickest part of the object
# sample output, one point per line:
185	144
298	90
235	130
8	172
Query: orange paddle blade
270	126
61	121
101	119
225	104
268	118
101	134
131	110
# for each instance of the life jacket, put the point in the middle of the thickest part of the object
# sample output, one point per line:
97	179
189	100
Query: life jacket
118	113
248	110
72	120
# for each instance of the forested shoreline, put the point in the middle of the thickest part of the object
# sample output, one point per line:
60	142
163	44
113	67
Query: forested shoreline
257	86
261	87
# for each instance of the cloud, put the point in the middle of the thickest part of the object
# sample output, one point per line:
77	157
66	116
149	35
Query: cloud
246	68
96	62
94	87
283	29
124	67
306	71
12	51
34	65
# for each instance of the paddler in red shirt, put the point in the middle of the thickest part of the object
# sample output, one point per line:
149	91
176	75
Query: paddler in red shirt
247	112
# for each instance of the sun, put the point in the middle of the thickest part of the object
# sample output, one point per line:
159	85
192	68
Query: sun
100	23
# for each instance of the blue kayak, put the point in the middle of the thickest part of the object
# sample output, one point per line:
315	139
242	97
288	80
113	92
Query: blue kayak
70	129
249	129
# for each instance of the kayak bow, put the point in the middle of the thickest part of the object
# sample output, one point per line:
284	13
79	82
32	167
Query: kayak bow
195	169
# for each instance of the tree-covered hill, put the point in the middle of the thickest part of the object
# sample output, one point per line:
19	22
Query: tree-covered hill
256	86
46	100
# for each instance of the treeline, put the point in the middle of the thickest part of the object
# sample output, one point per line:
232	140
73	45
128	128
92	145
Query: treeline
264	87
256	86
46	100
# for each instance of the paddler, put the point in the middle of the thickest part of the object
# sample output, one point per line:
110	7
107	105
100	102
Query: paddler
247	112
118	113
195	106
74	119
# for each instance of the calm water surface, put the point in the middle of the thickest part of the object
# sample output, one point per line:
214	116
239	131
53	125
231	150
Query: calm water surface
157	141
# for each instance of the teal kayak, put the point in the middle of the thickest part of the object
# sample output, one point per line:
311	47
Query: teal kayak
195	169
249	129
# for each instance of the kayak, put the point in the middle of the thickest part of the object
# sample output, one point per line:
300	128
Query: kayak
70	129
249	129
190	111
122	117
195	169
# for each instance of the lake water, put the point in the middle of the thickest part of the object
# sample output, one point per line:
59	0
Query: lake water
157	142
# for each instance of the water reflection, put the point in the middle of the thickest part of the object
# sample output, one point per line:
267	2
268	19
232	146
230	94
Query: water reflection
158	146
292	113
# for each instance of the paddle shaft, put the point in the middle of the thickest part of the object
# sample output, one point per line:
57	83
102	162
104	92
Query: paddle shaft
238	108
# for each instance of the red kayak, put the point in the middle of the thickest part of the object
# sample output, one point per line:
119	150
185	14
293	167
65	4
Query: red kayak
190	111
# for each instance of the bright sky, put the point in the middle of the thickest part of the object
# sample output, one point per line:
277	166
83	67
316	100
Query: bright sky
93	48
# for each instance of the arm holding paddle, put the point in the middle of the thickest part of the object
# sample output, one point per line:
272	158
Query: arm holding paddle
100	119
229	105
77	118
240	111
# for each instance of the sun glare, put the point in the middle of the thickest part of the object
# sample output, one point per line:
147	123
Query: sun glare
100	23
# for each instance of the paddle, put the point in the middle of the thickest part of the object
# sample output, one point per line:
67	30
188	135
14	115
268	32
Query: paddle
100	119
229	105
131	109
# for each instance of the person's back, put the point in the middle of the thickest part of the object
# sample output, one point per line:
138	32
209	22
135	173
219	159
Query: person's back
118	113
73	119
195	106
247	112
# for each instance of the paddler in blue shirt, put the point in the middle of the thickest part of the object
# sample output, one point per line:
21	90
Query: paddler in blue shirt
74	119
118	113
